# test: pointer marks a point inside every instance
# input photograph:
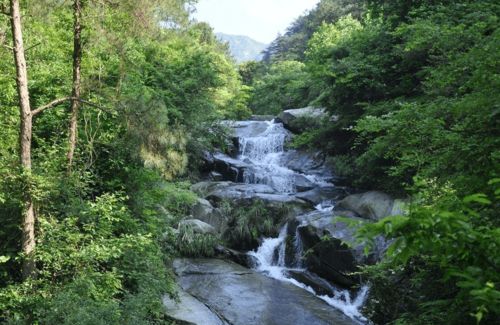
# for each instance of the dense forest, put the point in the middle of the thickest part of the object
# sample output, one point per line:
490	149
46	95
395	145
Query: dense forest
107	109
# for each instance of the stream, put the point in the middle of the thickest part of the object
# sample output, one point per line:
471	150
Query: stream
266	153
281	288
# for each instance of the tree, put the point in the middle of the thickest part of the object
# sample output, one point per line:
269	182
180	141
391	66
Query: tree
75	93
25	133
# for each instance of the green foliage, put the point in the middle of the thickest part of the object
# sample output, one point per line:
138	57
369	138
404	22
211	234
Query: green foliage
191	244
91	260
284	86
456	241
157	83
293	44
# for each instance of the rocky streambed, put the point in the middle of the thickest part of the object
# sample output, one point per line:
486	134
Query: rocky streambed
303	274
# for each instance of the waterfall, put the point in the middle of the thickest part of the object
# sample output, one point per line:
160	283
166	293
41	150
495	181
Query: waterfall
263	151
259	148
270	257
265	255
298	250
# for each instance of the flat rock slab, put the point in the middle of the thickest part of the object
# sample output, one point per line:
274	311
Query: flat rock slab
189	310
240	296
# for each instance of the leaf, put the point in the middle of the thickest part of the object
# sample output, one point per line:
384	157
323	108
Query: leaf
4	259
477	198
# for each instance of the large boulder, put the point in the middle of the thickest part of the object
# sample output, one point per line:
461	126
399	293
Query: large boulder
197	226
240	296
290	117
324	193
307	162
302	183
204	211
371	205
231	169
332	259
324	237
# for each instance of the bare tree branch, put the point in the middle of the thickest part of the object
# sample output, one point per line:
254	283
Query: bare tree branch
32	46
102	108
49	105
60	101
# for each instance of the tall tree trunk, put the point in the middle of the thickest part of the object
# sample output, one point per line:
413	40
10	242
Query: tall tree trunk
75	94
28	237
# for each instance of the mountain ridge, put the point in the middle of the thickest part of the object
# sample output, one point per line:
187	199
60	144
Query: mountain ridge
243	48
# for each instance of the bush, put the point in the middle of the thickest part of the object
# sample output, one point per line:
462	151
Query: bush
191	244
248	223
446	252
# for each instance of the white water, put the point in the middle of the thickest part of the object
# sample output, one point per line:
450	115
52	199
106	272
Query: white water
274	267
264	153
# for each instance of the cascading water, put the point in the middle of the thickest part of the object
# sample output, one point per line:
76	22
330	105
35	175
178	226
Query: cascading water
298	248
267	261
263	151
270	258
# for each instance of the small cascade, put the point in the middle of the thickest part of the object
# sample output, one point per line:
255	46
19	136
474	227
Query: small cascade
298	250
264	152
270	258
351	307
325	206
259	148
266	255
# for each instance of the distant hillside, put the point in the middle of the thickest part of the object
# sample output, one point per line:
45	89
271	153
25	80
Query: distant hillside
243	48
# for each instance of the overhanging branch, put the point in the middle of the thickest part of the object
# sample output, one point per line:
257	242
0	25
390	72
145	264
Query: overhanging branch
102	108
49	105
59	101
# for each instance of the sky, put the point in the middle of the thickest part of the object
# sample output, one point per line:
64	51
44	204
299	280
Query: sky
262	20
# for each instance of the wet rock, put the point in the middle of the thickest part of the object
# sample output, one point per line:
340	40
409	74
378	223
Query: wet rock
238	257
307	162
215	176
231	169
189	310
198	226
371	205
204	211
320	194
243	297
290	117
302	184
320	286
